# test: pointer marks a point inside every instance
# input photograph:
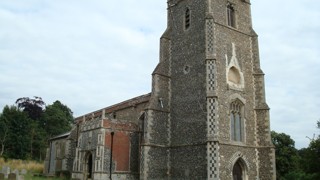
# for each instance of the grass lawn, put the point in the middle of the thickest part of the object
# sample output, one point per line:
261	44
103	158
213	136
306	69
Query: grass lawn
32	167
30	177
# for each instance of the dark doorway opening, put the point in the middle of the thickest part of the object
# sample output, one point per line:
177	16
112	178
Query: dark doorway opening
237	171
89	166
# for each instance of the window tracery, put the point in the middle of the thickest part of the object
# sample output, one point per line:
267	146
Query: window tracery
236	119
231	15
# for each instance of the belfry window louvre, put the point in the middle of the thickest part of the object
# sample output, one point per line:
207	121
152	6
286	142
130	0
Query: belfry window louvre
231	15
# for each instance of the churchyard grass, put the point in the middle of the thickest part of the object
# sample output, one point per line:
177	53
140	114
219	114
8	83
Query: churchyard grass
33	168
30	166
31	177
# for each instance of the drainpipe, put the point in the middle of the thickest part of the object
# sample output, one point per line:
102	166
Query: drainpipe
112	133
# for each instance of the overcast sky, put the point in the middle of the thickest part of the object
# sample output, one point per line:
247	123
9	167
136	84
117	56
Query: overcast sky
90	54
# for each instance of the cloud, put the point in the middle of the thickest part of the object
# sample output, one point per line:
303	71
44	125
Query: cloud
289	49
86	54
91	54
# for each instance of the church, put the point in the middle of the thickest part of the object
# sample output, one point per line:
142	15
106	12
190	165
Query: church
205	118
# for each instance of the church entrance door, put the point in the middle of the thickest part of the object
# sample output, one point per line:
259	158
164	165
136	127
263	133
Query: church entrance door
88	164
237	171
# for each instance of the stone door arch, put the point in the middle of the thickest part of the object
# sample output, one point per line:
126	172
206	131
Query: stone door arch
239	170
88	166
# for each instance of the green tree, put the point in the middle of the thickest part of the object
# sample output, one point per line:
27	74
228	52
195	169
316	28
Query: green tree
4	132
57	119
287	159
300	175
17	140
310	157
25	128
34	108
39	142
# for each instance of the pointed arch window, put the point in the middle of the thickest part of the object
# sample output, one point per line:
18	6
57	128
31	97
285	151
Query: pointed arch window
231	16
236	119
187	19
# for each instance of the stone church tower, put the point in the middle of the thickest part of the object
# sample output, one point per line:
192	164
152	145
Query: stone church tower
207	116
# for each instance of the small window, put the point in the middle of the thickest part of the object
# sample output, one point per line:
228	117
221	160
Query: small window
187	18
236	121
231	16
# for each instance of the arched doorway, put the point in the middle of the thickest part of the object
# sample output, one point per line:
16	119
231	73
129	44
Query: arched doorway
88	166
238	171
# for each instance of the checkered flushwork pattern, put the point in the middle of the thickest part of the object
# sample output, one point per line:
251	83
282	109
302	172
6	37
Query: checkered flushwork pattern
213	145
210	75
211	101
210	36
213	160
211	116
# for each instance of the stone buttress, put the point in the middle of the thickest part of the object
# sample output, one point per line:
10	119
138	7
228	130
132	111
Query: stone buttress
207	116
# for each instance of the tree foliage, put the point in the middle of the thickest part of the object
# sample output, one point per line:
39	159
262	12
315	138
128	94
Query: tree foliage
287	158
34	107
310	157
4	132
26	127
18	140
57	119
293	164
